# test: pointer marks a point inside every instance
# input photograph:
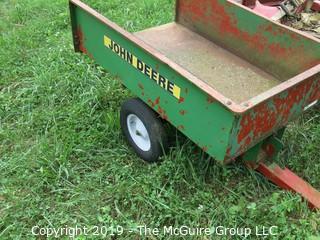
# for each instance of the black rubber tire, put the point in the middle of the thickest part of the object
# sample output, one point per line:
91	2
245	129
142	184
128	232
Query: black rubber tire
153	124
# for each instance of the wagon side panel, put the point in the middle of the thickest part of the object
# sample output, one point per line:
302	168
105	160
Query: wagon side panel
200	117
271	46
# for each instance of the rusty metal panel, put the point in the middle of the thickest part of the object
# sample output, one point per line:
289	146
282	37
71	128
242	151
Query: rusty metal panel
267	117
275	48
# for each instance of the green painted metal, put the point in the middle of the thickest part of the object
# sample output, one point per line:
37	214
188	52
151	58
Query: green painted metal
205	122
225	131
265	150
273	145
252	156
222	129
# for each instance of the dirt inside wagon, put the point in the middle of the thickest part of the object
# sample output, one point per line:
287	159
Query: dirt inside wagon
232	76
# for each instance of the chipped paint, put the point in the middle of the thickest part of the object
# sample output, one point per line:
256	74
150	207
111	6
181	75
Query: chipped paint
140	85
80	41
268	116
181	127
269	150
162	113
205	148
181	100
210	99
154	103
182	112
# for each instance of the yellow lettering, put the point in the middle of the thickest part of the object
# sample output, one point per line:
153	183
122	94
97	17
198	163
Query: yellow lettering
176	91
142	67
107	41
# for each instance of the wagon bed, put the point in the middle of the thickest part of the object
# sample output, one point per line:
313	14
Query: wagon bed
229	74
227	78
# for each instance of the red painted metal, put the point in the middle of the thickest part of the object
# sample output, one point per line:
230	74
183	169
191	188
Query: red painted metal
287	180
301	4
316	5
275	113
249	3
80	38
267	11
270	2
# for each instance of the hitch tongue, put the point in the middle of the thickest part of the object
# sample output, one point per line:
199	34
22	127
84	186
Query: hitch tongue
288	180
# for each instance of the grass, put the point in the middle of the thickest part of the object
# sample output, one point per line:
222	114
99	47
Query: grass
63	160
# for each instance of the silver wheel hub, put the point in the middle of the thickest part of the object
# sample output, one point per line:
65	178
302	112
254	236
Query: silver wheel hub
138	132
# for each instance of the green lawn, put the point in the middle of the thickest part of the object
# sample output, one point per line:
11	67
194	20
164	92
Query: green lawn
64	161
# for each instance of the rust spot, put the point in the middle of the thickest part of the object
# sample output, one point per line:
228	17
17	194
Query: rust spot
141	86
265	117
210	99
181	100
205	148
155	103
228	151
183	112
162	113
80	38
248	141
269	149
160	110
246	124
181	127
227	158
251	164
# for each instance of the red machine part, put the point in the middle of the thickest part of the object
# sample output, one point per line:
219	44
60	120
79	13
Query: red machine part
316	5
276	9
272	12
287	180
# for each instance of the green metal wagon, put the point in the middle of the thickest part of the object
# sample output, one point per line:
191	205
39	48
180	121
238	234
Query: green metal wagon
226	77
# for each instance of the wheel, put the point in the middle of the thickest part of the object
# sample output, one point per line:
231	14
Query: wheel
143	129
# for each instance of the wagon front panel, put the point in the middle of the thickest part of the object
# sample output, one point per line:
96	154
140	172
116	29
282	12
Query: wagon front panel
267	117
